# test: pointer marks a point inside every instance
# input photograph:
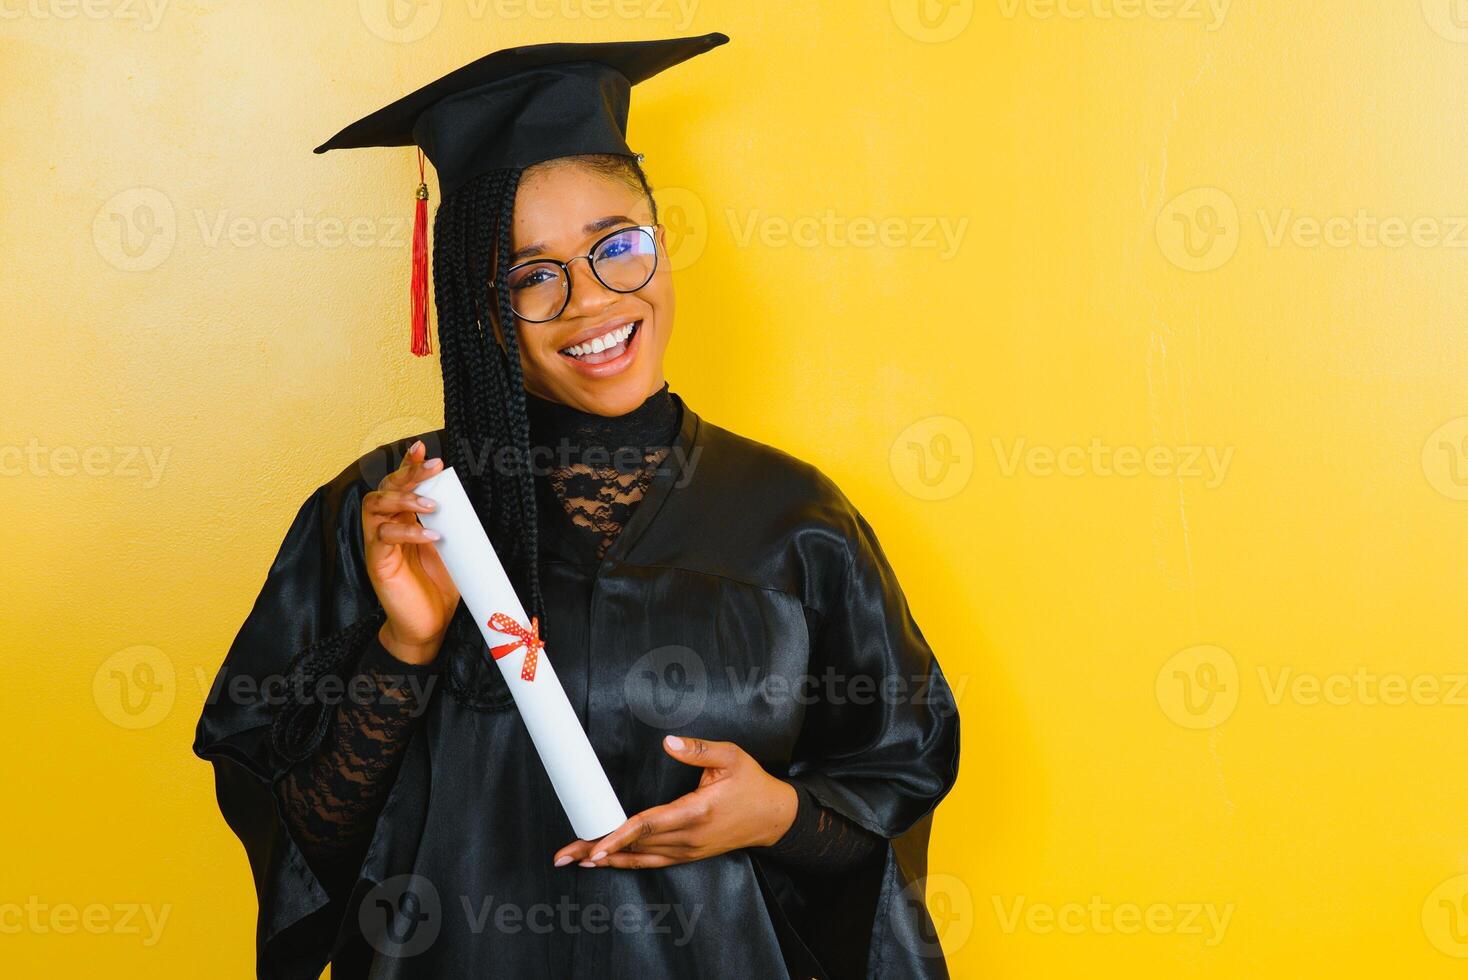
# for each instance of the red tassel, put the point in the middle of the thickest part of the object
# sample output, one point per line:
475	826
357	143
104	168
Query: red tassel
419	284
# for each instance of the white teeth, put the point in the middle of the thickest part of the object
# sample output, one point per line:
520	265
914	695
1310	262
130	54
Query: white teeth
598	344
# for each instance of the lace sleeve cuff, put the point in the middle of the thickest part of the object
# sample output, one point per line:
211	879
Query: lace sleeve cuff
332	797
819	839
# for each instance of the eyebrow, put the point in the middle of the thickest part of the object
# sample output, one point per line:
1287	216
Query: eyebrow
600	224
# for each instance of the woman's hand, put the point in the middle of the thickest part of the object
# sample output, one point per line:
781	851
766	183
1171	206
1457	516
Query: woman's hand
406	572
737	804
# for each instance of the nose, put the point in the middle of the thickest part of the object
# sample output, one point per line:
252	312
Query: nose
588	295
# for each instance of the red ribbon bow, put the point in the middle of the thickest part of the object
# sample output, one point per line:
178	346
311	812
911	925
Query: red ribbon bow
529	639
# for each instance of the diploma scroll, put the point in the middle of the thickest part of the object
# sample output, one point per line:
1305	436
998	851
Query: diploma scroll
577	775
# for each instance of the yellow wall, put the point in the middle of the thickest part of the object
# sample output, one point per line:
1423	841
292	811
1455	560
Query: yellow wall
1138	195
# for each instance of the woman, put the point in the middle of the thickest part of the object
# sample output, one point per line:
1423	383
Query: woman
723	620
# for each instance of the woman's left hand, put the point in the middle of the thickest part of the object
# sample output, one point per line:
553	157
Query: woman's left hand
737	804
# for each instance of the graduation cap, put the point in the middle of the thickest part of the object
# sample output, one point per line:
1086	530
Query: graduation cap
512	109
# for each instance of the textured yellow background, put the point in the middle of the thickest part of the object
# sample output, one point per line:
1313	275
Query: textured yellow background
1135	328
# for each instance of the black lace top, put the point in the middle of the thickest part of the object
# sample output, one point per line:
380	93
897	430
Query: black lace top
599	468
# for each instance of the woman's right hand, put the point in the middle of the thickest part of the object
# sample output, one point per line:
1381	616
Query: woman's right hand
408	576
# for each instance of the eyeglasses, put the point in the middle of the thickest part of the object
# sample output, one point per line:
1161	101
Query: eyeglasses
623	261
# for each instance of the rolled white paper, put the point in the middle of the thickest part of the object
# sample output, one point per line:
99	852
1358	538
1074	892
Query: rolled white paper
579	780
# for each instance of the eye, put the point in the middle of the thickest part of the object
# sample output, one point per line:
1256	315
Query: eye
533	276
620	244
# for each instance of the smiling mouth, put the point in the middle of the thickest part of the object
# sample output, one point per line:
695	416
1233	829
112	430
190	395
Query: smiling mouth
608	346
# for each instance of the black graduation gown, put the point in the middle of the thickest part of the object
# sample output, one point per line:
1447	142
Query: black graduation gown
745	600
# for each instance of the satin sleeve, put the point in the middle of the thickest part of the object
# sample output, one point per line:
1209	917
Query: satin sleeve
879	743
312	616
878	746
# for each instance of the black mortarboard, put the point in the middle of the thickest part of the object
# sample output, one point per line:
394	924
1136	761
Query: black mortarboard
522	106
511	109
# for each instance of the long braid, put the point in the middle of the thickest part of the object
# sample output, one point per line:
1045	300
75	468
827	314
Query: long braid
517	419
486	429
486	426
299	722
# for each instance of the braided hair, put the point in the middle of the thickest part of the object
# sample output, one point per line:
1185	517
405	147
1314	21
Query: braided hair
486	427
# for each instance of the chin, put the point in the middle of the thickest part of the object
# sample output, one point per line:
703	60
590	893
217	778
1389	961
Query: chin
614	396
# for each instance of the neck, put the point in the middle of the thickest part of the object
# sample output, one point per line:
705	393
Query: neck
567	432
